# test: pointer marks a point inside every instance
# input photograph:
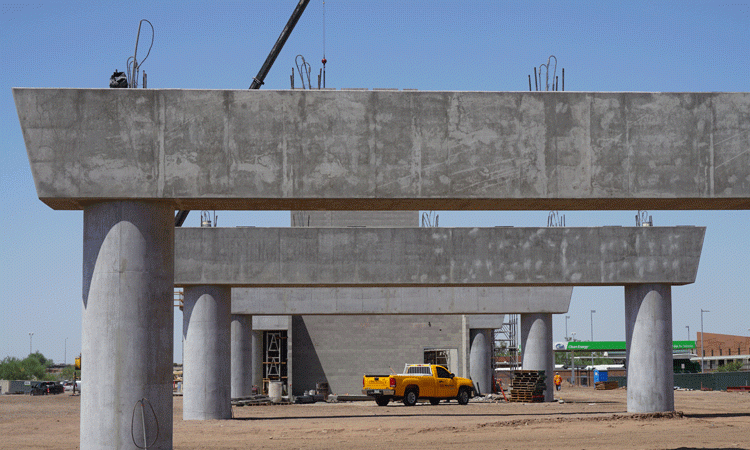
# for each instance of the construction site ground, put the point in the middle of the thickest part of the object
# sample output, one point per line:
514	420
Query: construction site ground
586	419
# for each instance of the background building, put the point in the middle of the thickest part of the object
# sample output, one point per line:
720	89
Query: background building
721	349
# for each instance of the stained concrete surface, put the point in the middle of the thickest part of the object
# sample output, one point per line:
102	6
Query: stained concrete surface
365	150
500	256
402	300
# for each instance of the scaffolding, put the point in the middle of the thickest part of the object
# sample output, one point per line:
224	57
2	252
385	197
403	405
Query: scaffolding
274	357
505	349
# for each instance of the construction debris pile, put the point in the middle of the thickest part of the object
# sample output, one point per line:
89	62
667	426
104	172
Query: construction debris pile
528	386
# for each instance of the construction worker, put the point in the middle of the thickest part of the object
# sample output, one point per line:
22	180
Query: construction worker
557	380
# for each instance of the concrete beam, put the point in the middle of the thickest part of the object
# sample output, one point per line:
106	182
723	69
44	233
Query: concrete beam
422	257
385	150
408	300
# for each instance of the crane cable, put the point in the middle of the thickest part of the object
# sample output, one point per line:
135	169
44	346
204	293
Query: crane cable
324	60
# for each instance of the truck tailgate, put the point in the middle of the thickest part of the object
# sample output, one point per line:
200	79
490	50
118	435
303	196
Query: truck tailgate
377	382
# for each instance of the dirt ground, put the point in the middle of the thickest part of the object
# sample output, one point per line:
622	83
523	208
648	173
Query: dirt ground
586	419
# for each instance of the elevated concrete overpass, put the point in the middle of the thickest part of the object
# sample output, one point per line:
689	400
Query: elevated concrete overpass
129	158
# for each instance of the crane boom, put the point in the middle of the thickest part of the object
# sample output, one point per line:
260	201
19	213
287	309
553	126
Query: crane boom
265	68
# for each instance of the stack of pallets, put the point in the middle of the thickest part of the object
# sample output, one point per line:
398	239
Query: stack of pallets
606	385
528	386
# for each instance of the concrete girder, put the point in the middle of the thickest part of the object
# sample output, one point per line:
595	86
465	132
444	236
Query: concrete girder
421	257
385	150
405	300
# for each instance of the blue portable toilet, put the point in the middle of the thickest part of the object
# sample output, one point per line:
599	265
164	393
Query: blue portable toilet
600	375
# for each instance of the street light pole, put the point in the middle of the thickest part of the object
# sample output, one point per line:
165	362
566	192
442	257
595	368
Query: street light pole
566	327
30	336
573	361
592	324
65	358
688	327
703	351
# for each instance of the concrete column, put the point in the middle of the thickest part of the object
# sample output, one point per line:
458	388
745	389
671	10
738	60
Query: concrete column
536	343
206	361
648	331
127	341
242	355
480	360
257	371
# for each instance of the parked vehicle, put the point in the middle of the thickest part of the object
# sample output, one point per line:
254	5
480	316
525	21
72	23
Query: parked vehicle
419	381
47	387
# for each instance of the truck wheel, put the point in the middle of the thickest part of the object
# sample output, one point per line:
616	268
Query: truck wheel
410	397
463	396
434	401
382	400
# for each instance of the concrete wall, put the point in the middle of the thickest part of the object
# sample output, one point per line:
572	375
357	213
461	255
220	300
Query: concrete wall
362	257
340	349
366	150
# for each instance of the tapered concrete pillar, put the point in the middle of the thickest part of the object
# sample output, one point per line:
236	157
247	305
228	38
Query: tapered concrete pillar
242	355
480	360
648	331
536	344
206	360
128	281
257	344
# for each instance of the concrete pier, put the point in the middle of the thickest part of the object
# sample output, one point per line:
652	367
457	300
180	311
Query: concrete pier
480	360
242	355
648	333
206	360
257	359
128	265
536	345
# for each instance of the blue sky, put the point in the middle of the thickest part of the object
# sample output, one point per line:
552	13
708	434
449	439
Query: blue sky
428	45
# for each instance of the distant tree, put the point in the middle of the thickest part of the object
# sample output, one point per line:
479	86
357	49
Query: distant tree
9	367
41	358
730	367
67	373
30	368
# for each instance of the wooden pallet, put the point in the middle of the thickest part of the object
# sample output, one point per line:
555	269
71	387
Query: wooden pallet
528	386
606	385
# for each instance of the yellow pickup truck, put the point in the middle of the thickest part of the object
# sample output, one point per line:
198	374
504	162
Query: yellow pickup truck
419	381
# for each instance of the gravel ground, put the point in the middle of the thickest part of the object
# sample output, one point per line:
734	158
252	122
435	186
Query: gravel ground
584	418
